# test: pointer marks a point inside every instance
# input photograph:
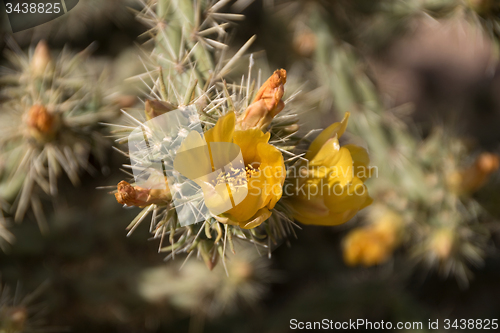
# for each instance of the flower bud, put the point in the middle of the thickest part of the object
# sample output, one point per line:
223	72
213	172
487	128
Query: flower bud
41	63
267	103
42	124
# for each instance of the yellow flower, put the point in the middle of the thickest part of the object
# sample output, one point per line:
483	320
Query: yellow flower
373	244
362	246
330	188
265	172
267	103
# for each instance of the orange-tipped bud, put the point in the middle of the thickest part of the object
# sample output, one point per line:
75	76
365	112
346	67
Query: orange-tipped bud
267	103
42	124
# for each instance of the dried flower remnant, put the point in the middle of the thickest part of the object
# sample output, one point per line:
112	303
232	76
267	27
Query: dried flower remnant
267	103
155	108
137	196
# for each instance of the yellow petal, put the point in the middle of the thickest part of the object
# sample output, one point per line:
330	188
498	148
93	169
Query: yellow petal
335	129
353	246
264	187
376	253
327	154
273	169
310	209
223	129
251	204
361	161
261	216
342	203
351	197
248	140
333	162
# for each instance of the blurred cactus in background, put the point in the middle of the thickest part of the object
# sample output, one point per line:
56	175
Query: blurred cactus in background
51	109
203	294
21	313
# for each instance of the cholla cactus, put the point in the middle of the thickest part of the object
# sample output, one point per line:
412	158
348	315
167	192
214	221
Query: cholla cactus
191	62
49	120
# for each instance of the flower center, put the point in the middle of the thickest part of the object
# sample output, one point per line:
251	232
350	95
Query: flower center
237	176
